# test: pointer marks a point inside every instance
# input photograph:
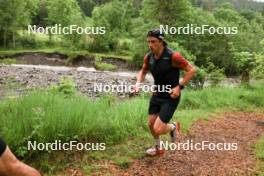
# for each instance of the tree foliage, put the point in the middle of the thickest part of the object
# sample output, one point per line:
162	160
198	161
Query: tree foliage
128	21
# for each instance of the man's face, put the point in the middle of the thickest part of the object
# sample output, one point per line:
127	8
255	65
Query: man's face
154	44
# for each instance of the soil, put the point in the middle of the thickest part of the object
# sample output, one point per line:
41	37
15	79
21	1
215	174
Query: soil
58	59
236	127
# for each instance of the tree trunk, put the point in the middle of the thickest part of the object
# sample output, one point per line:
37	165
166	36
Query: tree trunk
14	40
245	78
4	38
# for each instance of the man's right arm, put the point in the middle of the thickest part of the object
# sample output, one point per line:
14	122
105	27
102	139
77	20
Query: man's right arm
144	70
142	74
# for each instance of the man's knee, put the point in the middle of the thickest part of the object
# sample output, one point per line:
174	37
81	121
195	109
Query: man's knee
159	127
10	165
19	168
13	167
158	130
151	121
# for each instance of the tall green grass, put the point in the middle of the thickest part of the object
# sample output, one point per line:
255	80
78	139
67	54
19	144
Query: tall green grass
46	116
200	104
259	150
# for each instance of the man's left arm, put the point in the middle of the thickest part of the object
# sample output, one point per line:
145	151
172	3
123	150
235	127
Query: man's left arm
180	62
190	71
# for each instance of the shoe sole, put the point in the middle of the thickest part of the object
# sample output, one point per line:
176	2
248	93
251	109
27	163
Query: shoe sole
160	153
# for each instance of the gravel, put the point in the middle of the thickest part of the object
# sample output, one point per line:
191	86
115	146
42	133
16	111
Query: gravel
18	78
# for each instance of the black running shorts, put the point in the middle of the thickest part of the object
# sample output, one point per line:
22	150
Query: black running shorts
2	147
163	106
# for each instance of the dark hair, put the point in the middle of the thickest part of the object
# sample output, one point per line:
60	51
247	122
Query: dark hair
157	34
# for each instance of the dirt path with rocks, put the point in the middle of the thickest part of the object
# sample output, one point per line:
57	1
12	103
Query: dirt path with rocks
241	128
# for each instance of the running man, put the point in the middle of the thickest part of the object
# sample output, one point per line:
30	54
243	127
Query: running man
164	65
11	166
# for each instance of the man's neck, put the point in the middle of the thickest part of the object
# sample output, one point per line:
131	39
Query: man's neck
159	52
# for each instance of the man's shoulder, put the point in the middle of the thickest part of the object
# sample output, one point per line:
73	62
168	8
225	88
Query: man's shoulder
171	51
168	53
148	54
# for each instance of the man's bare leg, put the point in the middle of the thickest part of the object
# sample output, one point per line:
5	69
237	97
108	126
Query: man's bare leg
156	150
161	128
151	122
11	166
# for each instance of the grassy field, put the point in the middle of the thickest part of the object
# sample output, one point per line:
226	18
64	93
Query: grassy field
66	52
259	150
60	113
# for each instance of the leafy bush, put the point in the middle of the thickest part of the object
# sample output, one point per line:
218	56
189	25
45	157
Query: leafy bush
216	77
66	87
258	71
199	79
104	66
8	61
215	74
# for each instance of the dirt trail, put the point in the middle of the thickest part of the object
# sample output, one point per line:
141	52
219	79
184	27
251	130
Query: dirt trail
241	128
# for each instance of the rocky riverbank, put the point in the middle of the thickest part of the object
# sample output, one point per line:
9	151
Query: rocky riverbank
18	78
